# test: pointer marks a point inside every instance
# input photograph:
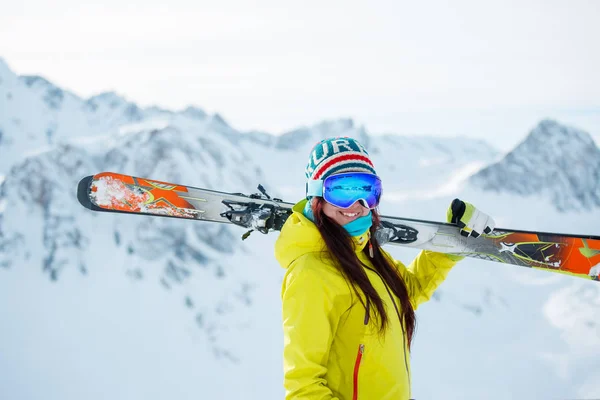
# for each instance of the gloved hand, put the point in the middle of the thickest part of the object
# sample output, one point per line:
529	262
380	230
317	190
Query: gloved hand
471	221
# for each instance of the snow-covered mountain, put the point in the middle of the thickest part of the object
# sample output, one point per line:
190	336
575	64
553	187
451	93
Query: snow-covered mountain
36	115
104	305
443	163
557	162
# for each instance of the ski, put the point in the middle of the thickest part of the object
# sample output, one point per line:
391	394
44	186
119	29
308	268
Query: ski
562	253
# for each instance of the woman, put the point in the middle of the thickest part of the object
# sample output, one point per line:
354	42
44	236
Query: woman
348	306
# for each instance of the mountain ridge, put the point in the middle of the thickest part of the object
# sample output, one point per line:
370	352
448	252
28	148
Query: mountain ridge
554	161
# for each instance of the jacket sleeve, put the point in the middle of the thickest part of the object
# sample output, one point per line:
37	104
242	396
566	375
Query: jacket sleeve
425	273
309	325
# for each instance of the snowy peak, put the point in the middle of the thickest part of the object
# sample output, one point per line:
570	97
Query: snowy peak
35	81
219	120
8	81
554	161
549	136
194	112
52	95
304	136
110	100
339	125
4	69
112	107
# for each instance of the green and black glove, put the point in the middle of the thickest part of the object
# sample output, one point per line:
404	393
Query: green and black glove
471	221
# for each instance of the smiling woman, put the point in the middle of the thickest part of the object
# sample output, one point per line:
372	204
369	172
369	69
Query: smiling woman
348	306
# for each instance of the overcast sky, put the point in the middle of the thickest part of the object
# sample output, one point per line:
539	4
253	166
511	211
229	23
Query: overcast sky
475	68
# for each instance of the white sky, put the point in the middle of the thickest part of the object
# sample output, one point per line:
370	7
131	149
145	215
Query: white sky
477	68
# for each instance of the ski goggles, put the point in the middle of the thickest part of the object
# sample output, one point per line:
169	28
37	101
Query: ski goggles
343	190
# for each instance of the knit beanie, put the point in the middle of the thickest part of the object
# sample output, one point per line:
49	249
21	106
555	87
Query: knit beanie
337	155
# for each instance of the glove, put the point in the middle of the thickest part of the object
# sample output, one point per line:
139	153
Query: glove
471	221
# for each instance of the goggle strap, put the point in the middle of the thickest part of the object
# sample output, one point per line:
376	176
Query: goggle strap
314	187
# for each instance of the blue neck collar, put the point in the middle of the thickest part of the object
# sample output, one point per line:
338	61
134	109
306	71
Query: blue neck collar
355	228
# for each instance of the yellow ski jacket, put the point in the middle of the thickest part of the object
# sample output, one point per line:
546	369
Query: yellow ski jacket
332	348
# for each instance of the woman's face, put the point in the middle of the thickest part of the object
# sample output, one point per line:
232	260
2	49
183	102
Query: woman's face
342	216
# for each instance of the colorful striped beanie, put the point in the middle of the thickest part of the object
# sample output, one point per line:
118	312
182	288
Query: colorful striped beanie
337	155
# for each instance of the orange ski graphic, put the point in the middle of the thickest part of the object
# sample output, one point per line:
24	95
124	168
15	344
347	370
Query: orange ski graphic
561	253
130	194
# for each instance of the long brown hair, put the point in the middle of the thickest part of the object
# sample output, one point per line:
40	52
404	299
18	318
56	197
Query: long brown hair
340	246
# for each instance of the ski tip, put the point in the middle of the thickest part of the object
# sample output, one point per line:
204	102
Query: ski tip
83	193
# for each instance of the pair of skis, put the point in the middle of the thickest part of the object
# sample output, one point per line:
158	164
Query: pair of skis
562	253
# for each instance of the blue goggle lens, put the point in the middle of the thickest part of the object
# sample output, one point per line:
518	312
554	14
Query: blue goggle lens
343	190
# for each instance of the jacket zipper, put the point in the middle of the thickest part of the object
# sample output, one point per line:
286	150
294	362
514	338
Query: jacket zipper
361	350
